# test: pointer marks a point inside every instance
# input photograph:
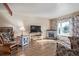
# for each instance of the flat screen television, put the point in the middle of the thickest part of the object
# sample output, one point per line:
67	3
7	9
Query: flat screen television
34	28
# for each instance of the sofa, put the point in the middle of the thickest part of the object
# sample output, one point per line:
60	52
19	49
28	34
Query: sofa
74	51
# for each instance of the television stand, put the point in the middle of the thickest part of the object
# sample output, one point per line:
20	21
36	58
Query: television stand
35	36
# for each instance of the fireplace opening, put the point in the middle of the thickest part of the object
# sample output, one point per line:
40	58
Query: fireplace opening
51	34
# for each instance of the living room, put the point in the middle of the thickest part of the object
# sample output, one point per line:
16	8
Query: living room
38	29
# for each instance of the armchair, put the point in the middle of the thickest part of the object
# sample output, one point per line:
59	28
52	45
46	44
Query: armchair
74	51
7	47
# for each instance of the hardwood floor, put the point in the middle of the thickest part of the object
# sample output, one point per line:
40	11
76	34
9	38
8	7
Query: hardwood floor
38	48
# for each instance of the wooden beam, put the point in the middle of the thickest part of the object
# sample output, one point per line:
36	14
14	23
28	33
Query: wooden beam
8	8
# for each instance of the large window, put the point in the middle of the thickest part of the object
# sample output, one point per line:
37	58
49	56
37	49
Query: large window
64	28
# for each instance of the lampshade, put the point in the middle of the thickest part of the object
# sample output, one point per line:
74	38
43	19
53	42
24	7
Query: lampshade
22	28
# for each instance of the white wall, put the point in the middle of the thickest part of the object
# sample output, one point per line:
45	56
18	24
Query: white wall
36	21
17	22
